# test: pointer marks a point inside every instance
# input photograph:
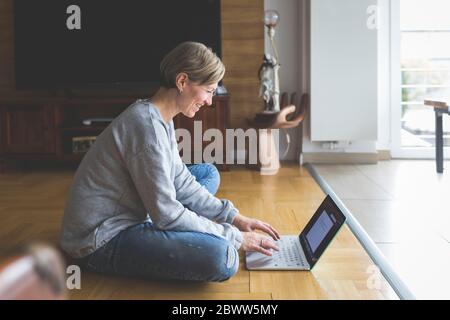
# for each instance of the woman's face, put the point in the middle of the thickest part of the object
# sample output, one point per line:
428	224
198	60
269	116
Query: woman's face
195	96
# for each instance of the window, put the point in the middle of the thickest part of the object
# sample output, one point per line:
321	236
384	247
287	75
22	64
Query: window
425	68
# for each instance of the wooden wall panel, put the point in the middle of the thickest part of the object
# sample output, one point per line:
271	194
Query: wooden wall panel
242	48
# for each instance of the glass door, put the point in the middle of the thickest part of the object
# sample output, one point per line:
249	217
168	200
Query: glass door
420	66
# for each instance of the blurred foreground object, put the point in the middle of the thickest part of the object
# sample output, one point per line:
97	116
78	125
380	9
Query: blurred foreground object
36	274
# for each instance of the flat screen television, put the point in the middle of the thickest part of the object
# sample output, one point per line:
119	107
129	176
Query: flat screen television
105	42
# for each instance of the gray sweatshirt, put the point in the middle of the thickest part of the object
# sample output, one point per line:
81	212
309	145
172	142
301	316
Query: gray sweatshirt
133	173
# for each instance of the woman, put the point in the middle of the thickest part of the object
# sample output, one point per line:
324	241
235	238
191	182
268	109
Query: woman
135	209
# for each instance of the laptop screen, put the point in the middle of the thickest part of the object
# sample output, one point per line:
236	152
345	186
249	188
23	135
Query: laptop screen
321	229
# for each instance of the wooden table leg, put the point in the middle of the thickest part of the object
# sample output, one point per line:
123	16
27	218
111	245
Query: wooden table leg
439	143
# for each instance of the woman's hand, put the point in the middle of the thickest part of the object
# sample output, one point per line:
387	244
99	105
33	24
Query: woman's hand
246	224
254	241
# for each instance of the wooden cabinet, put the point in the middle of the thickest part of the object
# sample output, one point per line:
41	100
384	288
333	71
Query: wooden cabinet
44	128
27	129
69	121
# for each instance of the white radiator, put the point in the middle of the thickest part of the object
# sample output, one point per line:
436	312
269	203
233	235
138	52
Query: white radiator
343	70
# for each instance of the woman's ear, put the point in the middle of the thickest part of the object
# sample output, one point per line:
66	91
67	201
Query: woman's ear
181	81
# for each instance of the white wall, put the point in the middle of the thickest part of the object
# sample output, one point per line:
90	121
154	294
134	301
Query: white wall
355	146
293	41
384	83
287	42
343	71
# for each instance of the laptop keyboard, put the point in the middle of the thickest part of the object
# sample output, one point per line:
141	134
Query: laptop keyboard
289	253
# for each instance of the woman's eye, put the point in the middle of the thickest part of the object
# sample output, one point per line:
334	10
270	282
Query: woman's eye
212	92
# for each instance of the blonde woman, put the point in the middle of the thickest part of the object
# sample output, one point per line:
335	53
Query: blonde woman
135	209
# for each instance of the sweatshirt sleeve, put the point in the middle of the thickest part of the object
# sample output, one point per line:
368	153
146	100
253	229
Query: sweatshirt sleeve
150	171
193	195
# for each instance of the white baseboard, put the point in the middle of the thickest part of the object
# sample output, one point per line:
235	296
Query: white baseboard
340	158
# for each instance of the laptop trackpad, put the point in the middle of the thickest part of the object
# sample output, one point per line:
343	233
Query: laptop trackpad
257	260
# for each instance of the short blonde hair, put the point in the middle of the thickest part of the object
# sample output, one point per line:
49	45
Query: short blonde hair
199	62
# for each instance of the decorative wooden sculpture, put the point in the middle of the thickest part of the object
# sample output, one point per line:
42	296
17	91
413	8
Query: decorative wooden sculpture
290	116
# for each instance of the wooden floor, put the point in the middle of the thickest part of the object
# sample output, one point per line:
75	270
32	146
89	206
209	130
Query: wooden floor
31	206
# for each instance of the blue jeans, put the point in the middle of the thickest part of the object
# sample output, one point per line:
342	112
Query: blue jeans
207	175
146	252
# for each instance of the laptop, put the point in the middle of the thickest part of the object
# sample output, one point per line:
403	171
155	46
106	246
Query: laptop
302	252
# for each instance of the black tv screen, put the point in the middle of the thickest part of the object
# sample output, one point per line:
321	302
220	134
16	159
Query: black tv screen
60	43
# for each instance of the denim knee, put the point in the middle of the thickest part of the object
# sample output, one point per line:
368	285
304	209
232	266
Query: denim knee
207	175
214	178
225	265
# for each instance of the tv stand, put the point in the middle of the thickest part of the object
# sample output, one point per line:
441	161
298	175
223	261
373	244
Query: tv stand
90	121
33	130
